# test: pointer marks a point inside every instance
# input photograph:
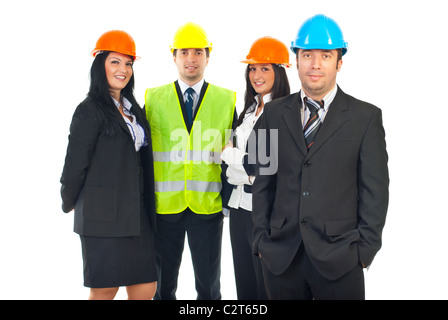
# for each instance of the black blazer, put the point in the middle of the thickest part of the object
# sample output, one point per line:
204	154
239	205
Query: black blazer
100	179
332	199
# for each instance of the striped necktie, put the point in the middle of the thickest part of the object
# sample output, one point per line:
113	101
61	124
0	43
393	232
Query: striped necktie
189	105
314	123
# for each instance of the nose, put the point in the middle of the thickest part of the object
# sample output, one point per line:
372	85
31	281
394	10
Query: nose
123	67
316	61
191	56
257	74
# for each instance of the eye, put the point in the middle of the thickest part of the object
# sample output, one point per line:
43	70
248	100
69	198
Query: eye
252	69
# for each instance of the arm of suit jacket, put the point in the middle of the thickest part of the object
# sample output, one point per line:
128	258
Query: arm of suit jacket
263	190
250	159
373	189
84	130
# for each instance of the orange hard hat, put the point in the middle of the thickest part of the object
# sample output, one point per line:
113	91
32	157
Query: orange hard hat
116	41
268	50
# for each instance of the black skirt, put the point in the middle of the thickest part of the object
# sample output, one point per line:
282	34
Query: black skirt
120	261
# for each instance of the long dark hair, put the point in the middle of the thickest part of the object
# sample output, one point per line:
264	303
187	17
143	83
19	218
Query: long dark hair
99	91
279	89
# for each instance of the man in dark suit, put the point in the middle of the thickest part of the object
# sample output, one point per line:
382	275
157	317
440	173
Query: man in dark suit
319	205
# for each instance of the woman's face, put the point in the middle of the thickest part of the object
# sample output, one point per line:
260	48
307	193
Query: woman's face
118	71
262	77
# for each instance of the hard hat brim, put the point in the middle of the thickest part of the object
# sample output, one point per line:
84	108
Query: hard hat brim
173	48
252	61
294	48
99	51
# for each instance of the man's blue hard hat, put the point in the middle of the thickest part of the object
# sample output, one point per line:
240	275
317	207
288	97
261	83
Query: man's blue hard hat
319	32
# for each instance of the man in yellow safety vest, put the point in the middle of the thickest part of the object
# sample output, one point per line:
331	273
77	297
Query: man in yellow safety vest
190	123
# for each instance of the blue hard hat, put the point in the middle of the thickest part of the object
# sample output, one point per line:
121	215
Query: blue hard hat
319	32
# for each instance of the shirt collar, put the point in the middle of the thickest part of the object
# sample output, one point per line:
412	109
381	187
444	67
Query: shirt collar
328	99
126	104
196	87
266	98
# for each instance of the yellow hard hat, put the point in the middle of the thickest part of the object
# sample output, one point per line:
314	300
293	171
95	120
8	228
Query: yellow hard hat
190	35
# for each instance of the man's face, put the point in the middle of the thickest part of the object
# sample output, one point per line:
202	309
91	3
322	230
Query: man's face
191	64
317	71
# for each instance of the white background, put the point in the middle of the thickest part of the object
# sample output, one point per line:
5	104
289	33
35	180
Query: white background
397	60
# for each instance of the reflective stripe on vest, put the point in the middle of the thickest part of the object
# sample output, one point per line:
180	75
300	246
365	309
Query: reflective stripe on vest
187	165
201	186
192	155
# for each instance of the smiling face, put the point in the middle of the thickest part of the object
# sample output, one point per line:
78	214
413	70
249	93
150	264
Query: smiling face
191	64
262	77
118	72
317	71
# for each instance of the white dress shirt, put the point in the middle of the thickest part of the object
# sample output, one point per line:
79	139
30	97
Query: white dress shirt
233	157
135	129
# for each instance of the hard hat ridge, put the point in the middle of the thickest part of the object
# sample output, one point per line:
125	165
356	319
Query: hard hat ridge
319	32
190	35
116	41
268	50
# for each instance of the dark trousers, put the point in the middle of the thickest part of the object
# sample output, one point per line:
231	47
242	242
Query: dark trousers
301	281
204	234
247	266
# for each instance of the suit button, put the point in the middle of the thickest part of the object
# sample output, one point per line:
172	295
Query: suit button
307	163
304	221
306	194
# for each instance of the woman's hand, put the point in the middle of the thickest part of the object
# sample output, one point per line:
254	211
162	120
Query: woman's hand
228	145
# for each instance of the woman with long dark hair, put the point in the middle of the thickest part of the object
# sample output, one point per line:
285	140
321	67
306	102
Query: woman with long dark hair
266	80
108	177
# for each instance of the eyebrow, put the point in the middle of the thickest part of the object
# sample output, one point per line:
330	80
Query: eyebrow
323	50
195	49
128	60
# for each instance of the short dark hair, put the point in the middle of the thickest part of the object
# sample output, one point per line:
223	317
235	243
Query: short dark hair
100	93
279	89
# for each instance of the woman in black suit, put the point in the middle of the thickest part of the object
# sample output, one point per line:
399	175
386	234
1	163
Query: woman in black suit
266	80
108	177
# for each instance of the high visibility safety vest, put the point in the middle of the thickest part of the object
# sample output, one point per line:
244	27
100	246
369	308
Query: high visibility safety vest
187	166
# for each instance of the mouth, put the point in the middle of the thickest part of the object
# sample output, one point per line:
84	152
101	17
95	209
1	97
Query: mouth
259	83
191	68
315	76
121	78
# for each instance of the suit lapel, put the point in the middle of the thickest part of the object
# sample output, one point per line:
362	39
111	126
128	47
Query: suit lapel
334	119
292	118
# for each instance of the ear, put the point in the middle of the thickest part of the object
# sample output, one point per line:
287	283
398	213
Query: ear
297	59
339	66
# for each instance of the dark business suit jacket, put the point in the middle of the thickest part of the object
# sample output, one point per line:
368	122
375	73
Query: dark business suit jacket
333	199
100	179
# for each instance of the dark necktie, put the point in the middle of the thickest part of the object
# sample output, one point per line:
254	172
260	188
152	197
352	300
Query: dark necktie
313	124
189	105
